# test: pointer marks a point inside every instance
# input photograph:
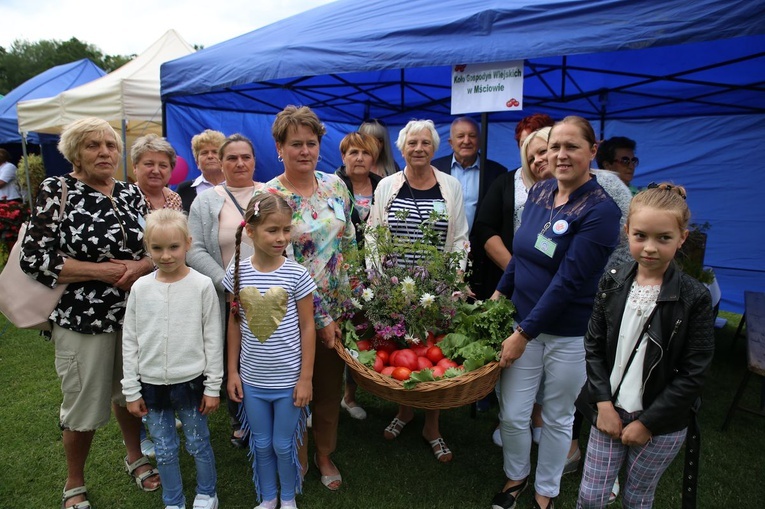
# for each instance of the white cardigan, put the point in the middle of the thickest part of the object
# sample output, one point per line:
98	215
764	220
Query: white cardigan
451	191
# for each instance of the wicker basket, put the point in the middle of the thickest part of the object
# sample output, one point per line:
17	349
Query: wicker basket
441	394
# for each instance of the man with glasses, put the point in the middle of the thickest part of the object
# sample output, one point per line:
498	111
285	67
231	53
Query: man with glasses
617	154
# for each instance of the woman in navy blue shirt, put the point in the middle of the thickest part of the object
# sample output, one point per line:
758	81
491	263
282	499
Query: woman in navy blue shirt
569	228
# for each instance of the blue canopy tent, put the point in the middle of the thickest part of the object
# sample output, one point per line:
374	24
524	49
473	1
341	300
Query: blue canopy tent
678	77
46	84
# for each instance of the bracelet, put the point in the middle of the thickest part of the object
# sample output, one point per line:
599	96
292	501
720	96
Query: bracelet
523	333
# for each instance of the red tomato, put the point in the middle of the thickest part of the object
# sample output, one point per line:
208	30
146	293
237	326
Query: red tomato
423	362
387	370
438	371
363	345
401	373
379	364
420	349
382	354
434	354
447	363
431	339
392	357
406	358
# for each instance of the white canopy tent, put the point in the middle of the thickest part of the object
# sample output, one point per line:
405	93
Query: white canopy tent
128	98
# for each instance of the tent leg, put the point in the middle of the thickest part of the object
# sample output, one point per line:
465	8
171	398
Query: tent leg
26	166
124	151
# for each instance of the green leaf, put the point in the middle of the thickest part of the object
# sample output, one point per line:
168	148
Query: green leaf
424	375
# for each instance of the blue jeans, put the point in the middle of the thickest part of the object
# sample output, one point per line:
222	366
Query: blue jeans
273	420
161	423
560	361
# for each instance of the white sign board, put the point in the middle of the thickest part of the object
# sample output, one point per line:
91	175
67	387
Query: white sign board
496	86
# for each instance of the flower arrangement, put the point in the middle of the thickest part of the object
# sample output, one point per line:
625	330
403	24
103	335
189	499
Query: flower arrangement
12	216
407	288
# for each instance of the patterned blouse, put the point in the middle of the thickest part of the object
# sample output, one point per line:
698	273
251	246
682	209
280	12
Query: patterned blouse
322	232
172	201
95	228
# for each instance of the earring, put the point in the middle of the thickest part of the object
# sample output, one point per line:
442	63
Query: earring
319	159
280	158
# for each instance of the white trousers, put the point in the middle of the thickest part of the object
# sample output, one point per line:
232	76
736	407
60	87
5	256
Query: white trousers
561	360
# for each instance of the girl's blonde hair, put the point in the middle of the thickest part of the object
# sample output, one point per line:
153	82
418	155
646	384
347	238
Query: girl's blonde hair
667	197
164	219
261	207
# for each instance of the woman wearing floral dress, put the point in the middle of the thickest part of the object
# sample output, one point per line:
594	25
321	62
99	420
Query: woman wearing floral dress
322	234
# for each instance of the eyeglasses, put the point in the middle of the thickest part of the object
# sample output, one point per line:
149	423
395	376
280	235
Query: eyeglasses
626	161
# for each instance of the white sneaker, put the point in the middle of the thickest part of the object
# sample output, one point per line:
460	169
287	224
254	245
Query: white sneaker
288	504
206	502
614	492
175	507
496	437
147	447
356	411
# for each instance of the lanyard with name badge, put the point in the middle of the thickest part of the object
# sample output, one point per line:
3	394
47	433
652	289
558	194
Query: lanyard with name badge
543	244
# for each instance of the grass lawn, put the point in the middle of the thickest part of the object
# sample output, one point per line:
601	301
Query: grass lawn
377	473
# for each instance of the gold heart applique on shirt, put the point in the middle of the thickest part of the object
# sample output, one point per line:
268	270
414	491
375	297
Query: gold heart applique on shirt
264	312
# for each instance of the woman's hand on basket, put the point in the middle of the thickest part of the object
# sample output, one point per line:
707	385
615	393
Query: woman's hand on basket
329	334
512	349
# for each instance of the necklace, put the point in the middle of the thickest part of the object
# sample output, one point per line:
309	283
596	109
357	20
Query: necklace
305	199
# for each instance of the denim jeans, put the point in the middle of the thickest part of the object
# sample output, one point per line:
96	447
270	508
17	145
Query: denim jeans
273	420
161	423
561	361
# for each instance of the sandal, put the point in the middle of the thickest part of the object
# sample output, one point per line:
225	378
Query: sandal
394	428
239	438
507	499
535	504
75	492
440	450
131	468
329	480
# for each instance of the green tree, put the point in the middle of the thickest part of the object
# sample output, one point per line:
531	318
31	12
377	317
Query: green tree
24	59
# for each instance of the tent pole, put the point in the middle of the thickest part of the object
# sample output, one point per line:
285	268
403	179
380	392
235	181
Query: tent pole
124	150
484	141
26	166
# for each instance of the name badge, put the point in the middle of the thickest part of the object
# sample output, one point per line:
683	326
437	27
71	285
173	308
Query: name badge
439	207
337	206
560	227
545	245
142	222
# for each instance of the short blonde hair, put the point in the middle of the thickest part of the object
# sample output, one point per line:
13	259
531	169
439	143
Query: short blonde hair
415	126
152	143
206	137
74	134
165	219
543	133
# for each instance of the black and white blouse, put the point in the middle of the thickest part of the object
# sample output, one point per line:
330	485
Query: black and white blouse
95	228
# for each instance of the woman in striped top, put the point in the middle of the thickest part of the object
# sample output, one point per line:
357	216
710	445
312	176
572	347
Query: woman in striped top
402	202
271	346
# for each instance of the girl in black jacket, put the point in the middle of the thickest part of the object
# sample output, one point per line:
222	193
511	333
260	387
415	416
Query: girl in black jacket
648	346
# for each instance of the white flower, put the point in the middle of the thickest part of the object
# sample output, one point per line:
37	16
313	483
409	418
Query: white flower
427	299
407	286
411	339
355	303
367	294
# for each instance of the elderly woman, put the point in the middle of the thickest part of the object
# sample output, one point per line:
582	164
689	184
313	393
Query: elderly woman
419	190
153	162
569	228
384	165
359	152
213	220
97	249
205	147
322	233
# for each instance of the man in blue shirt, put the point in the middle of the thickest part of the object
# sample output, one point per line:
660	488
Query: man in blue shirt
464	164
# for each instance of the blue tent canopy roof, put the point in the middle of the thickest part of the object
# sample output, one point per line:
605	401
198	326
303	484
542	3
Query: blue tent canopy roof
47	84
685	79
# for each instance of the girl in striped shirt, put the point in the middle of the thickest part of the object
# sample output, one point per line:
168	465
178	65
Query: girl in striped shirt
271	341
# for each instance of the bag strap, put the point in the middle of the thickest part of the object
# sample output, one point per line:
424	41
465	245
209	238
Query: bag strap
64	196
236	203
634	352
